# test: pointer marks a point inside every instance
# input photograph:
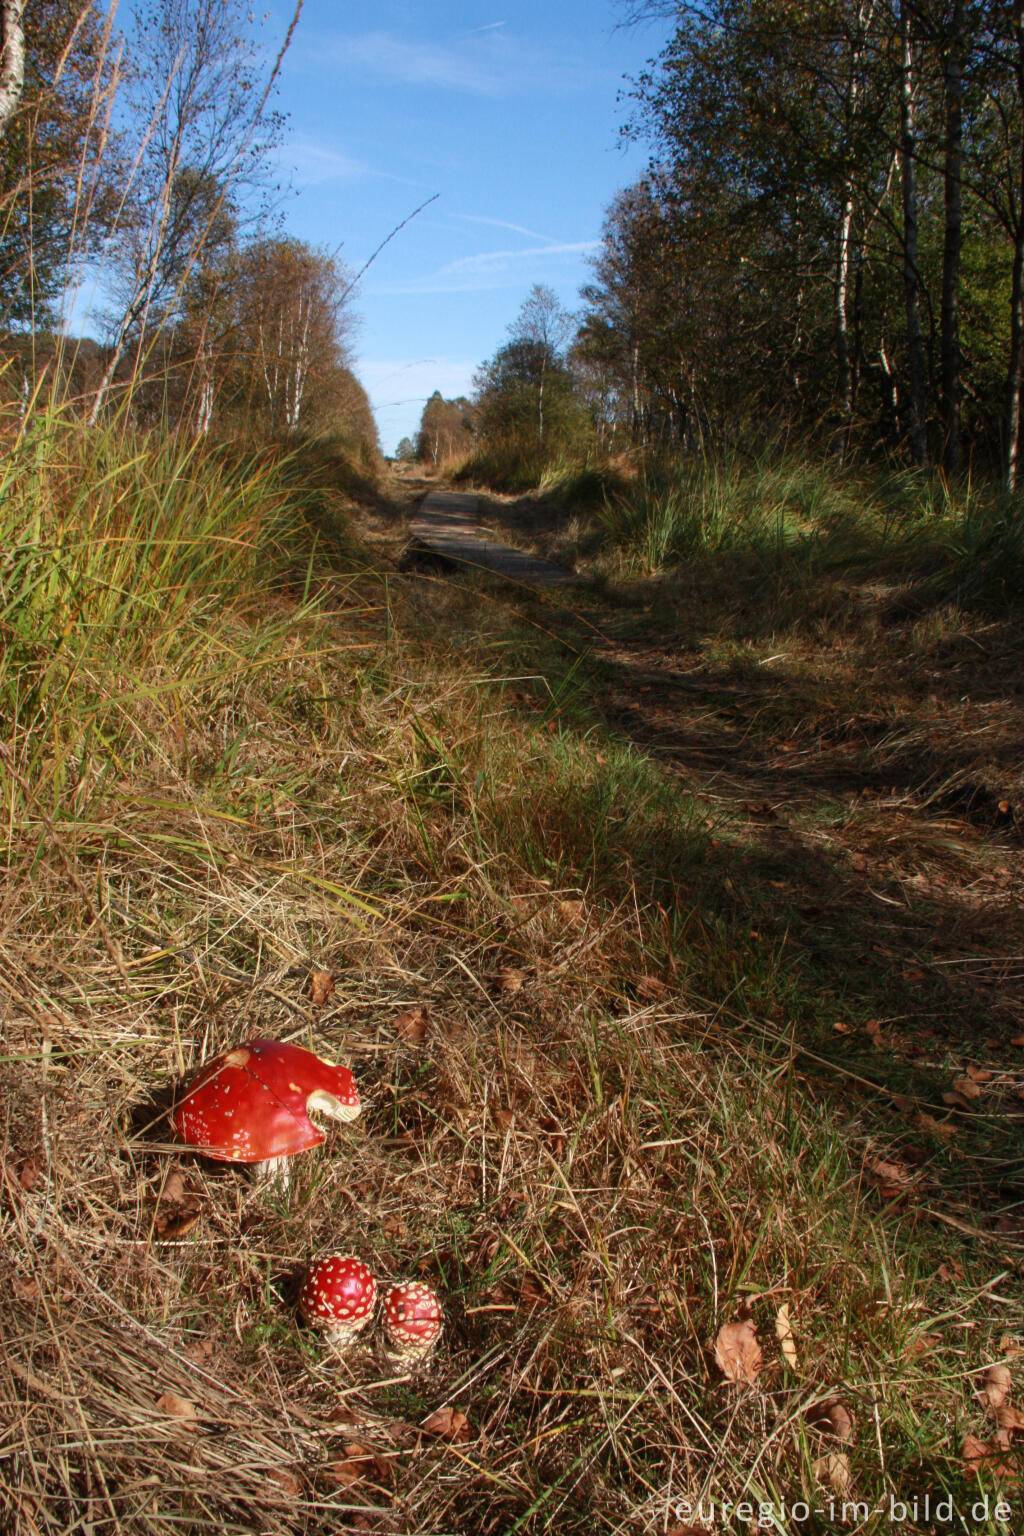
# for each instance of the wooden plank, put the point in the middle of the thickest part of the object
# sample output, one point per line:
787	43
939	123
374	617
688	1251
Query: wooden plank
446	526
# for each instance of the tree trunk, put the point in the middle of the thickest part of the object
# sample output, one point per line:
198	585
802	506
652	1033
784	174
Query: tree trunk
911	272
1015	368
842	320
12	58
953	198
1015	371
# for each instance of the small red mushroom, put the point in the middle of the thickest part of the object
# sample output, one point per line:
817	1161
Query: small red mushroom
412	1320
338	1296
252	1104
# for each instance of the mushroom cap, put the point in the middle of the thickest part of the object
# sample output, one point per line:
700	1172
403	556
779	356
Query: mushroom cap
338	1294
252	1103
412	1317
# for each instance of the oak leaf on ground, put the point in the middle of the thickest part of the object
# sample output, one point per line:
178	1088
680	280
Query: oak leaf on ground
834	1469
1009	1419
737	1352
995	1384
984	1456
831	1417
784	1334
412	1024
176	1407
321	985
449	1424
359	1461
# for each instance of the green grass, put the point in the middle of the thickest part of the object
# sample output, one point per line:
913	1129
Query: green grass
241	753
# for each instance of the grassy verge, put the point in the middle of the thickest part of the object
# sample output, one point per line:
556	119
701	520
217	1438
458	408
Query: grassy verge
628	1120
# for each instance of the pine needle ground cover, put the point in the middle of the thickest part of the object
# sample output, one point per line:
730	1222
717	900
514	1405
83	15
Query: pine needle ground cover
696	1100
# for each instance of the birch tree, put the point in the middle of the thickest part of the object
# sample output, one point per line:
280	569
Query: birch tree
200	111
12	58
291	332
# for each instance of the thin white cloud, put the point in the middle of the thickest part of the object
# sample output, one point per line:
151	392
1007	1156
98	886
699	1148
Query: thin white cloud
311	163
488	269
420	63
517	229
488	62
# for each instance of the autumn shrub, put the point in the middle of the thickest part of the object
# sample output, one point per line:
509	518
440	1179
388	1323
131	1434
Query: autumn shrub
504	464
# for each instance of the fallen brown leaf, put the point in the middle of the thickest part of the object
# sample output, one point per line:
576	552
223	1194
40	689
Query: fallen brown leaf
737	1352
1009	1419
29	1173
956	1100
890	1179
945	1130
412	1024
921	1344
979	1074
555	1133
509	979
531	1290
983	1456
284	1482
505	1118
321	985
359	1461
784	1334
571	912
176	1407
173	1191
449	1424
966	1087
994	1387
25	1290
168	1228
834	1469
831	1417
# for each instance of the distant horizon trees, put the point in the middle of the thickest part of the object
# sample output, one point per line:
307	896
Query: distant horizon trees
830	237
827	246
148	155
446	429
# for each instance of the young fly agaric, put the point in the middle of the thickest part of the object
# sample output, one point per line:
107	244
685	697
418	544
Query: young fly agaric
412	1320
338	1296
251	1105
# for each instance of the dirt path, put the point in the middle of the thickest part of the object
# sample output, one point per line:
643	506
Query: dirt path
446	528
870	770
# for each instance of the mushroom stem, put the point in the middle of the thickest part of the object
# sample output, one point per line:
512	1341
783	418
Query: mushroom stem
276	1171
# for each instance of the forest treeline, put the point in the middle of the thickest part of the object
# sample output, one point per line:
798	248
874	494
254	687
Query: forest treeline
827	246
137	165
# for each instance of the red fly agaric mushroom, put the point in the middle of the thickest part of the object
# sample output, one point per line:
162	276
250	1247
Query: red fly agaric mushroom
338	1296
252	1104
412	1320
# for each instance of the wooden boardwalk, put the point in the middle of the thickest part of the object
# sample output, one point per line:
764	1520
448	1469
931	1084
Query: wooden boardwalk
446	528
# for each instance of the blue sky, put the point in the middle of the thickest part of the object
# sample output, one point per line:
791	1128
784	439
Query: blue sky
509	112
